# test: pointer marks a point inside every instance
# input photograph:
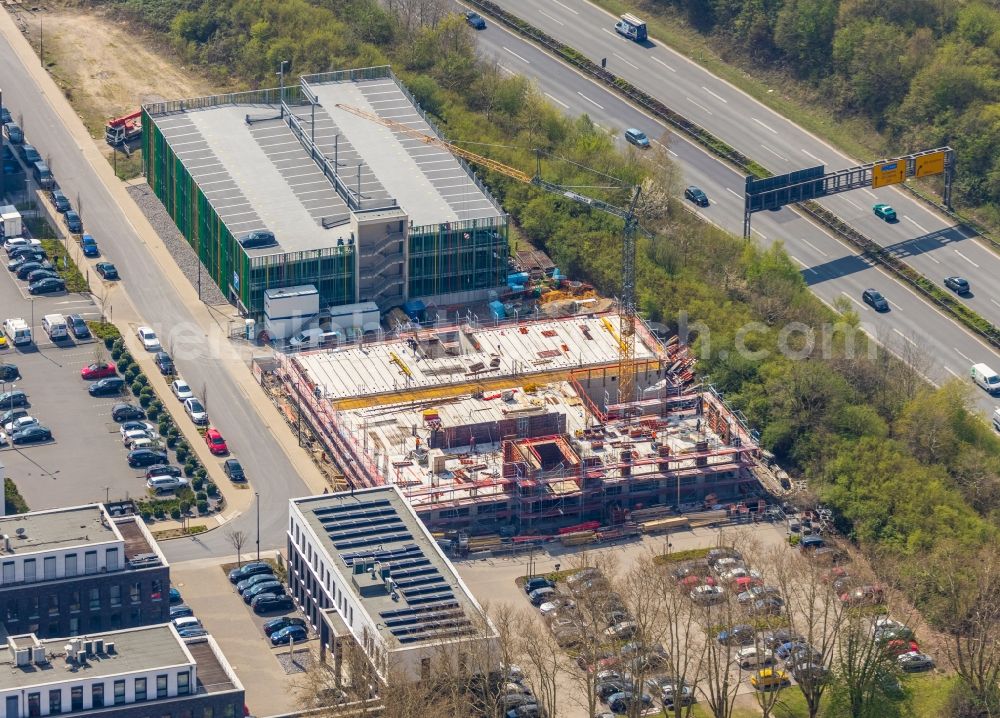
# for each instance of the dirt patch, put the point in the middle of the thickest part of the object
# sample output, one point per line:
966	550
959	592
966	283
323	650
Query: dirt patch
105	68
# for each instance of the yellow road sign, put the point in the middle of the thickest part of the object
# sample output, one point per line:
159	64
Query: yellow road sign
932	164
888	173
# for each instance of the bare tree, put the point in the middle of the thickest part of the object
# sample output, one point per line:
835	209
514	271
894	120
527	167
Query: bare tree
237	539
544	663
682	640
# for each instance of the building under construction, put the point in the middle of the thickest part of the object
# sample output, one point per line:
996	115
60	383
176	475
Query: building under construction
519	424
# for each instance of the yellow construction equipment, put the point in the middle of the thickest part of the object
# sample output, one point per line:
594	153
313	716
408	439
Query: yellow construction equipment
626	305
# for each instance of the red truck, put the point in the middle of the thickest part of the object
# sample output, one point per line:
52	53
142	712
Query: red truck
122	130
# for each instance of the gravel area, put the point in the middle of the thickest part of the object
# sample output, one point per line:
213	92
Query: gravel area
182	252
298	662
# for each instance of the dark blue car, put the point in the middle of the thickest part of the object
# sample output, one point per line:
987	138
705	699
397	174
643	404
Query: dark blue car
287	635
73	222
89	246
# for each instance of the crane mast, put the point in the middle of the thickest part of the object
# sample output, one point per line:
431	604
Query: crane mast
627	302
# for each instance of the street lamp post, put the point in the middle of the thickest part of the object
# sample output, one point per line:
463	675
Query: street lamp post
256	496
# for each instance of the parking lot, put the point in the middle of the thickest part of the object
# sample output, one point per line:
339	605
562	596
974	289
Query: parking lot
85	461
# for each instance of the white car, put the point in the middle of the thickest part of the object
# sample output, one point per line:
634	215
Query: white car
148	338
130	437
560	604
751	657
196	410
181	389
19	423
136	425
3	439
707	595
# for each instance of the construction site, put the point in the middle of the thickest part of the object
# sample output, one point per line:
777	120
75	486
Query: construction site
520	425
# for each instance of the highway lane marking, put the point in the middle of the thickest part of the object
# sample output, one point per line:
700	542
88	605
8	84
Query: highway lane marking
697	105
963	355
542	12
636	67
872	194
760	233
966	259
773	152
807	153
952	372
804	266
895	307
763	125
854	204
588	99
656	59
567	7
860	304
914	223
506	69
995	301
717	97
815	247
734	194
904	336
517	56
666	148
556	99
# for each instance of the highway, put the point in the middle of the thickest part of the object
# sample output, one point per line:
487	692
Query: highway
831	268
926	240
162	307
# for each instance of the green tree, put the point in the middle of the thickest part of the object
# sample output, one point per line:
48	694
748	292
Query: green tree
804	32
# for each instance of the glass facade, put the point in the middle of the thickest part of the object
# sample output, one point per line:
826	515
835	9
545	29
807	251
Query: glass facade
457	257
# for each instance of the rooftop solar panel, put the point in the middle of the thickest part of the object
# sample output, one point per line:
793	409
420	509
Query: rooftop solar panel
430	599
400	612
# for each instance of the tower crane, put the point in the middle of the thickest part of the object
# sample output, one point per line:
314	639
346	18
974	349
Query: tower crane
627	301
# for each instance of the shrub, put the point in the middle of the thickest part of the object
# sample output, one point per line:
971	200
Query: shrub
144	400
156	404
171	441
212	489
189	468
201	496
201	473
116	353
164	425
131	371
122	362
153	411
145	514
108	342
185	506
198	482
175	514
182	451
202	507
137	387
173	430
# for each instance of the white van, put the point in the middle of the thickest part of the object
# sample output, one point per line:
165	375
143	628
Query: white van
986	378
187	622
996	419
311	338
18	331
55	326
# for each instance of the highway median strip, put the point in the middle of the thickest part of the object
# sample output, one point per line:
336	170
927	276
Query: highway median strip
870	249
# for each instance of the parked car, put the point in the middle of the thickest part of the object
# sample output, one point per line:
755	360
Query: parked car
126	412
89	246
541	595
39	274
164	363
559	603
288	634
233	470
475	20
751	657
19	423
246	584
622	702
78	326
867	594
636	137
73	222
269	603
249	569
258	239
884	212
60	201
622	631
915	661
276	624
274	587
31	434
959	285
107	270
682	693
194	409
536	582
98	371
47	286
192	632
706	595
809	672
768	679
109	386
175	595
216	444
180	389
779	637
11	399
739	635
768	606
149	340
30	154
696	195
163	484
875	300
162	470
9	372
146	457
26	268
180	611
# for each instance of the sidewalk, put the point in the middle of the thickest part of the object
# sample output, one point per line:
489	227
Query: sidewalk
124	315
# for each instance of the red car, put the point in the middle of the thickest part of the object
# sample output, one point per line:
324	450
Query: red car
98	371
216	444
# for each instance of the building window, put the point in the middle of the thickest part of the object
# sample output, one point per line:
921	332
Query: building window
33	607
74	601
74	626
228	710
97	695
53	604
116	621
207	712
111	559
90	562
34	704
116	595
94	599
140	689
49	568
12	613
70	564
55	702
119	693
183	684
76	698
8	572
134	594
156	591
425	668
29	570
95	622
161	686
53	628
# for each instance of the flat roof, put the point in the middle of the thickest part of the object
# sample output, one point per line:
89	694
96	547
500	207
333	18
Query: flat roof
462	354
58	528
371	536
136	650
259	175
